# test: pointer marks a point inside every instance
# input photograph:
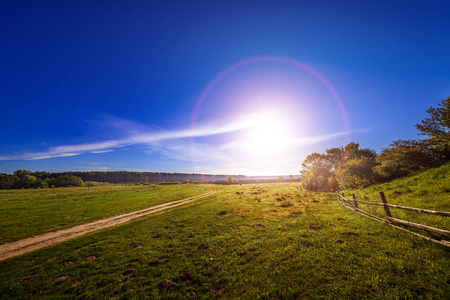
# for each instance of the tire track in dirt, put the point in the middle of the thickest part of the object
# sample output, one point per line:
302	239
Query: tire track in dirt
26	245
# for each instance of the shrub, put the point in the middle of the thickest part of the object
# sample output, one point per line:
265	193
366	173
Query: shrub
66	181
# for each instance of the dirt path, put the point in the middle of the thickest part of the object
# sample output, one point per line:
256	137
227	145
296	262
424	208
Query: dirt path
16	248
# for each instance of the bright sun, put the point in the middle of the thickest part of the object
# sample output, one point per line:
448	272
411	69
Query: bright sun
268	135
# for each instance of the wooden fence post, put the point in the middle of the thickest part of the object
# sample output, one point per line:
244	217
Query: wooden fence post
386	208
354	200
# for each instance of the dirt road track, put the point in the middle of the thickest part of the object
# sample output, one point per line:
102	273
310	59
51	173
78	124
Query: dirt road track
16	248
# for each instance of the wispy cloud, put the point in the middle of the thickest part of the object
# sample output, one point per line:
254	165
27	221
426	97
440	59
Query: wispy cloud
173	143
133	138
185	150
213	158
44	156
291	142
102	151
316	139
64	151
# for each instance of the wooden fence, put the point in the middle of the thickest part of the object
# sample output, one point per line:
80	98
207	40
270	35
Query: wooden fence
353	205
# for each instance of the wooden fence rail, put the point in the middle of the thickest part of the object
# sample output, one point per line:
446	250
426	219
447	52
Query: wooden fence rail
389	219
421	210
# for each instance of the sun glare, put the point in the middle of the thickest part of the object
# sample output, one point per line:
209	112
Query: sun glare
267	136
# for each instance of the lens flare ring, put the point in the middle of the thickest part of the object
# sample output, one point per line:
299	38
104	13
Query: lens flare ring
260	59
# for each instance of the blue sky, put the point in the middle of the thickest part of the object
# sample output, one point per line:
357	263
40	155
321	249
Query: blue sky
229	87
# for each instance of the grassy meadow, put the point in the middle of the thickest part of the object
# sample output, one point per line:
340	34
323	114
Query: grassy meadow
28	212
262	241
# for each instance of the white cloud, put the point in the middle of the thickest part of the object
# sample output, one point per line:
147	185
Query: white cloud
102	151
134	137
185	150
176	145
50	156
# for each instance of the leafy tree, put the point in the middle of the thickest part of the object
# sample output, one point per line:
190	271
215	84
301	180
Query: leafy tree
66	180
8	181
437	127
335	158
315	172
352	151
28	181
403	157
356	173
357	168
21	173
348	166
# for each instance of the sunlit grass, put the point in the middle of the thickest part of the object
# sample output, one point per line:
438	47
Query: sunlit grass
278	199
231	246
428	190
27	212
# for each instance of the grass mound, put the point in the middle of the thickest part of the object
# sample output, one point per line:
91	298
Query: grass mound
427	190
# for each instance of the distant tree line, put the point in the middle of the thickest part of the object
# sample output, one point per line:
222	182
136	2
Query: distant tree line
28	179
280	179
354	167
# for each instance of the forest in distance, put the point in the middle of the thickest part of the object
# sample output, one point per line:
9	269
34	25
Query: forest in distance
344	167
28	179
41	179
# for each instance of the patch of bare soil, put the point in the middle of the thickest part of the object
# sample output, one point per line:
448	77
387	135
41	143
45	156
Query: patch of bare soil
60	280
167	285
202	247
91	258
186	276
28	278
77	282
136	246
135	262
52	259
128	272
67	263
155	263
218	287
16	248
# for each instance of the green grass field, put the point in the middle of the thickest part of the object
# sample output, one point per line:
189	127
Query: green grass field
25	213
266	241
